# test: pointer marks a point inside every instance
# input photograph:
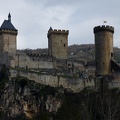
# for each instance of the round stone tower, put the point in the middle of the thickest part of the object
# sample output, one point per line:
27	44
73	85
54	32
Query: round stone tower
103	49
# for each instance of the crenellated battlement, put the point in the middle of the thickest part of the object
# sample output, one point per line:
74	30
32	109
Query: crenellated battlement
103	49
103	28
57	31
37	55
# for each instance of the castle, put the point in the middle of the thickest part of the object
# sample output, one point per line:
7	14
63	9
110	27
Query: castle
44	68
57	48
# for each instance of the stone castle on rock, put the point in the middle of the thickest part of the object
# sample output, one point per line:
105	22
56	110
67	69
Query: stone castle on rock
57	48
56	69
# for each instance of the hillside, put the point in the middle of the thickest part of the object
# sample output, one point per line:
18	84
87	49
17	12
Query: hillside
76	52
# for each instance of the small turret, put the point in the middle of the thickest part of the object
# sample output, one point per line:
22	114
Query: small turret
50	29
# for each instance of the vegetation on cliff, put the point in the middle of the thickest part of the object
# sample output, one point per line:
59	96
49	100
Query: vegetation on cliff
4	77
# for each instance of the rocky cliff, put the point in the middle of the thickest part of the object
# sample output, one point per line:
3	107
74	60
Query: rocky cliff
21	98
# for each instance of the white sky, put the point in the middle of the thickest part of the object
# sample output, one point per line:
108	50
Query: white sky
33	18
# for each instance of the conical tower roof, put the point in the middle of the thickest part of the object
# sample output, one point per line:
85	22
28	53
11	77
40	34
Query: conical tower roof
7	25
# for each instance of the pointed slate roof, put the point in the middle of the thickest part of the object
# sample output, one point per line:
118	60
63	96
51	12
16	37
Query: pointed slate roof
7	24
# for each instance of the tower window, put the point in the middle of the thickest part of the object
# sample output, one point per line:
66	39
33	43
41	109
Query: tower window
68	64
111	54
64	45
26	67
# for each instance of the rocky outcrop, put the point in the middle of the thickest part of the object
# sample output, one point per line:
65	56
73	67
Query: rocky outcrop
22	97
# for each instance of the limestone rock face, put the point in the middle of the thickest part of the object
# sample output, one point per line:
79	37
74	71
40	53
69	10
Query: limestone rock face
53	104
25	98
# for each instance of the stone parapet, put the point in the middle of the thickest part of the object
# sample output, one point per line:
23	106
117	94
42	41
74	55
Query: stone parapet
55	31
103	28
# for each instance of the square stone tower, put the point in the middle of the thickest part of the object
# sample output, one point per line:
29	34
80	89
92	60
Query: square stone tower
58	43
8	35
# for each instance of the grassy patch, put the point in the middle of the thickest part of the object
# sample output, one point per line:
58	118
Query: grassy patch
24	70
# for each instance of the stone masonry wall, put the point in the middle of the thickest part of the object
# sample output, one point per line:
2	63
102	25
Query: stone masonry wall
33	62
103	50
1	45
73	84
8	43
60	46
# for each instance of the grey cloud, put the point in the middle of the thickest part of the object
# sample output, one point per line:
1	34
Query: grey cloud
33	18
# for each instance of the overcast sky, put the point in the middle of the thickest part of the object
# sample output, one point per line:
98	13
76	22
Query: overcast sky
33	18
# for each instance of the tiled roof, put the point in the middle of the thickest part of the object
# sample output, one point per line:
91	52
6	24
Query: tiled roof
7	24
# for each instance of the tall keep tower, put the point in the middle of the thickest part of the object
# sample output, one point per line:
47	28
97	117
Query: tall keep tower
103	49
58	43
8	35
